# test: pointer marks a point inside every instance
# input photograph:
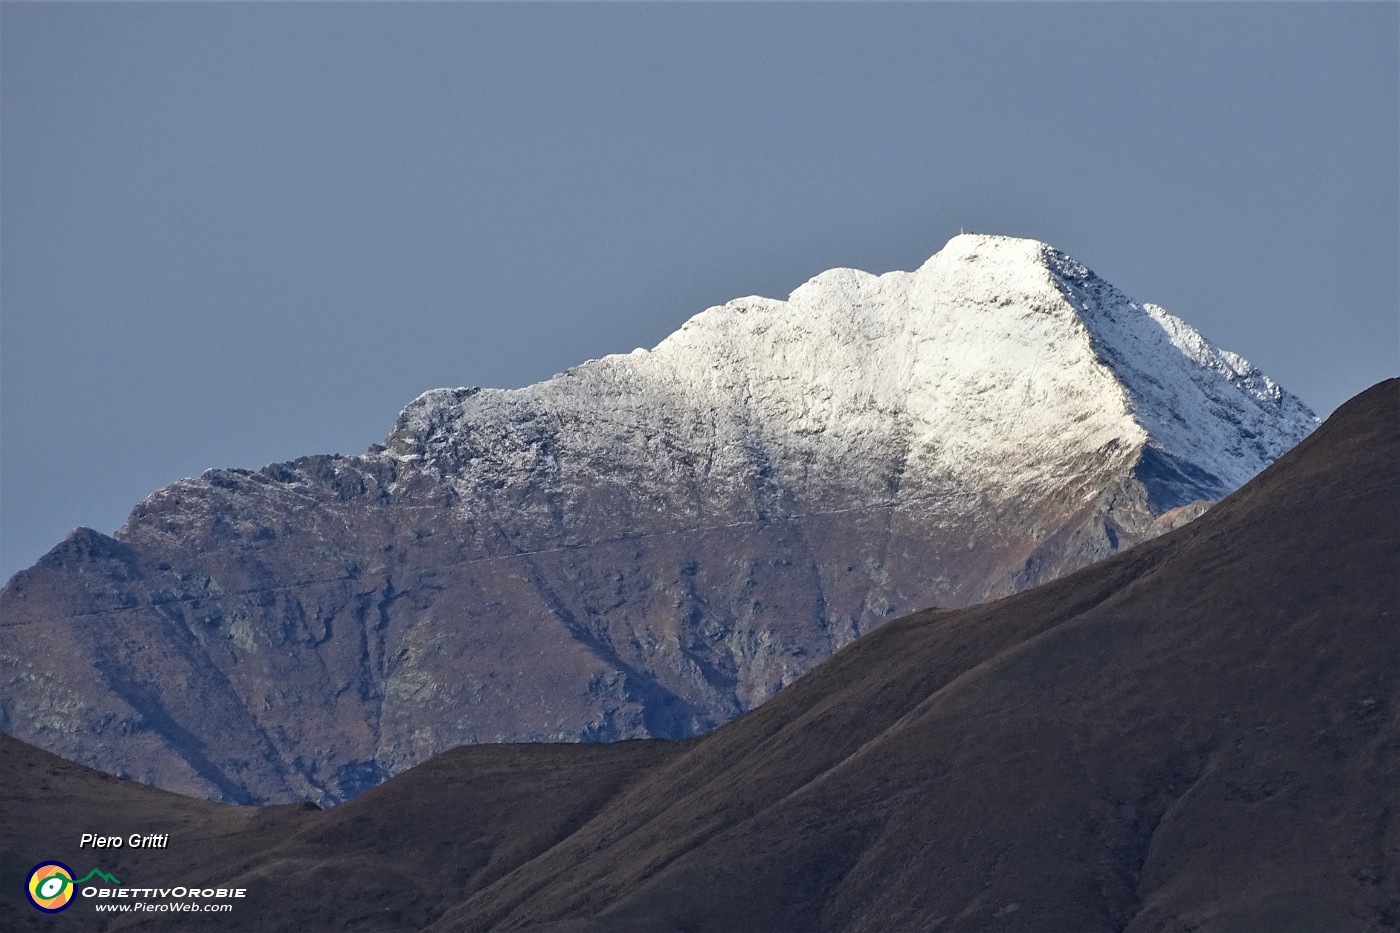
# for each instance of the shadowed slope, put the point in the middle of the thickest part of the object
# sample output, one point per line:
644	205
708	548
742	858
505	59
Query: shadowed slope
1199	734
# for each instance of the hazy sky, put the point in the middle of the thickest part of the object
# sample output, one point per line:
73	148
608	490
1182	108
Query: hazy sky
238	233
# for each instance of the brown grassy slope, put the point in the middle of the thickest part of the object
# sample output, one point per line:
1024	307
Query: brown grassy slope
393	862
1198	734
47	803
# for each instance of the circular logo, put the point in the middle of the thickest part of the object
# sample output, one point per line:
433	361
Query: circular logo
50	886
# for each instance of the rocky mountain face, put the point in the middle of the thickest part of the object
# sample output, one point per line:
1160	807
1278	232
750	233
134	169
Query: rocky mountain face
646	545
1202	733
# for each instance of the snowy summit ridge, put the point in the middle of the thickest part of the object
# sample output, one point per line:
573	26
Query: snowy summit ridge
1000	362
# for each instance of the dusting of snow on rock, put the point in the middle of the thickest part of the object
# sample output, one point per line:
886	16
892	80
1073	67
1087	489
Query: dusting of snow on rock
1195	400
1000	366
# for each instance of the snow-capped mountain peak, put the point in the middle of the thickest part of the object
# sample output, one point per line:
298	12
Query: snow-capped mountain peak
999	361
647	544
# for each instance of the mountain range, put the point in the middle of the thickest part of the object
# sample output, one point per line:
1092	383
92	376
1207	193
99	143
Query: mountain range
1201	733
647	545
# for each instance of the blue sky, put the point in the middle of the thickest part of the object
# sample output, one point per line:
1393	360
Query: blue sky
232	234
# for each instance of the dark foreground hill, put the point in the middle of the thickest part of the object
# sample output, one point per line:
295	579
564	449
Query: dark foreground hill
1199	734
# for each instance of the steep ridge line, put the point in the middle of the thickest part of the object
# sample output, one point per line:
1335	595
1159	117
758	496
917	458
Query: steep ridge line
472	561
1103	597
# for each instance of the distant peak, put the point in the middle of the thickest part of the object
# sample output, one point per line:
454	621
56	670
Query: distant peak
84	542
